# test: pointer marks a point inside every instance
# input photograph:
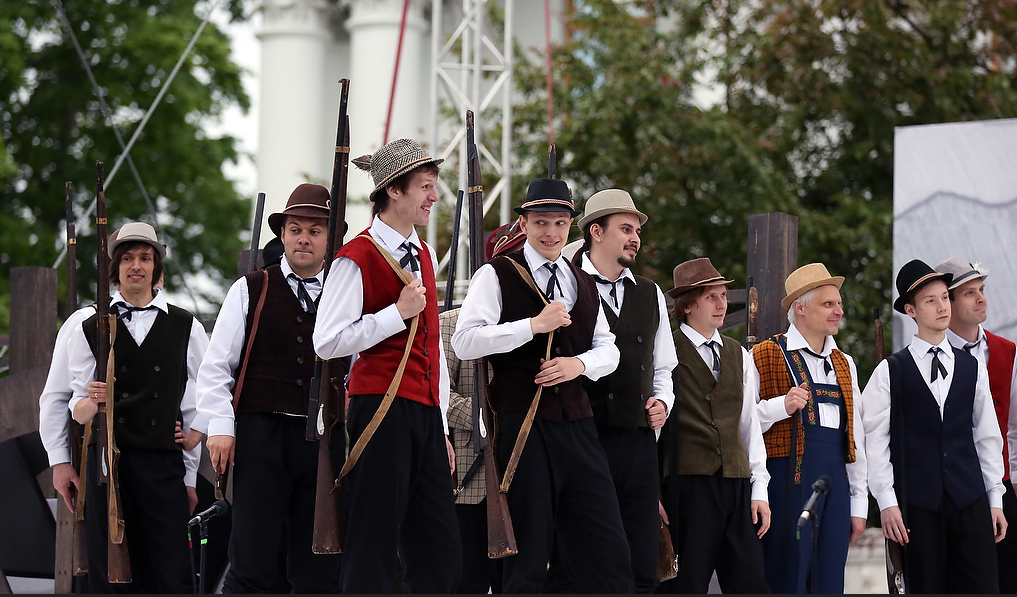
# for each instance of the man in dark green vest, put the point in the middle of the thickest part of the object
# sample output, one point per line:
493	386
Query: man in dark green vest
714	460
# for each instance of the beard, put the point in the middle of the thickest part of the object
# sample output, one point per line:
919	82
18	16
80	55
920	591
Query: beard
626	262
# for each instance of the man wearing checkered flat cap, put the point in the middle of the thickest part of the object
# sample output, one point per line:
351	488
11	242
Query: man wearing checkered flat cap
968	310
380	302
811	428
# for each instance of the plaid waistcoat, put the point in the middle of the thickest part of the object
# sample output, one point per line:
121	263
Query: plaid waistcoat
775	382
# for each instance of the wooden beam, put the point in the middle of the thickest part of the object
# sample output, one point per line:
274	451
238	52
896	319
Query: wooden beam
733	319
33	318
772	256
19	407
736	296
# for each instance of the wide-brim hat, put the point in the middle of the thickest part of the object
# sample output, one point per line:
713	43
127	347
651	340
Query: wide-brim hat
607	202
962	271
805	279
504	239
695	273
914	274
548	194
136	232
392	161
306	201
569	251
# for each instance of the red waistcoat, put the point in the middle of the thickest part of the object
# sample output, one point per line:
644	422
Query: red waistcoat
373	370
1000	366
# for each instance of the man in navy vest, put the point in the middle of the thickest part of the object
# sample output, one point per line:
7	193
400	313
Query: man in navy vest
935	453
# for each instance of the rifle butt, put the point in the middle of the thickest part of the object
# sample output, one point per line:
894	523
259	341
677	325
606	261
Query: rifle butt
79	549
326	538
894	568
667	561
501	537
118	569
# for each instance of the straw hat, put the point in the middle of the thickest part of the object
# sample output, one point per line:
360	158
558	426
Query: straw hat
695	273
914	274
136	232
504	239
606	202
392	161
306	201
962	271
805	279
548	194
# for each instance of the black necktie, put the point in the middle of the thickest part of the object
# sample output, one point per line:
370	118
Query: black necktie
937	366
970	345
827	367
715	349
552	281
303	295
409	260
128	310
613	285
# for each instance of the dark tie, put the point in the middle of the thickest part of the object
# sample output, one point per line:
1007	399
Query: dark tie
303	295
613	285
128	310
715	349
409	260
937	366
552	281
827	367
970	345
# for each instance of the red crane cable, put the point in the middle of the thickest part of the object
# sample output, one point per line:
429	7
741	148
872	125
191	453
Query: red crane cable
550	92
395	72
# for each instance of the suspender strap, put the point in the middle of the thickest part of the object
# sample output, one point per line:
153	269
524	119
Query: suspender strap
250	339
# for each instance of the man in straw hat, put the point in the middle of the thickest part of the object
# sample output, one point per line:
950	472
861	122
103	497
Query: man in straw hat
398	495
935	453
714	461
811	428
539	321
632	403
158	350
968	310
252	403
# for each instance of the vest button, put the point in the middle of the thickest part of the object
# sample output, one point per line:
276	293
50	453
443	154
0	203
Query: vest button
155	394
123	368
121	420
557	350
300	320
610	395
642	367
156	368
425	329
557	390
639	339
300	382
124	394
428	376
713	423
300	360
718	449
300	339
709	398
425	352
153	422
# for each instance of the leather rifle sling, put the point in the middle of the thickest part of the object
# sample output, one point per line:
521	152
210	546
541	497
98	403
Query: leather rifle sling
116	524
390	393
86	438
531	413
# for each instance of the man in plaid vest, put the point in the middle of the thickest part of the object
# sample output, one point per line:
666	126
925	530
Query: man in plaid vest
811	429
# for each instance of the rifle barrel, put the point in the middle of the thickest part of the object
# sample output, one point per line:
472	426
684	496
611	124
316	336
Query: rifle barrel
453	253
259	213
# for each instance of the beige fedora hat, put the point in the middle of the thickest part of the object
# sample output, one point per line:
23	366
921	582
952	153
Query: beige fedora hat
963	272
805	279
607	202
136	232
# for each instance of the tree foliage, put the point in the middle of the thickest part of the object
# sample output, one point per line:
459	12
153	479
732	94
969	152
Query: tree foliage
54	131
807	95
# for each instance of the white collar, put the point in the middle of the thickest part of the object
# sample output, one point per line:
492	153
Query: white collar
284	265
920	348
536	261
958	342
158	302
796	341
390	238
698	339
588	267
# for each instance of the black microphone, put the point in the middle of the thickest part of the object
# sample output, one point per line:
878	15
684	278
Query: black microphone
819	488
216	509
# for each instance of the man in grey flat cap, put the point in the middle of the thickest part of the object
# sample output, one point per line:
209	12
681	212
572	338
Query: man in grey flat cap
969	308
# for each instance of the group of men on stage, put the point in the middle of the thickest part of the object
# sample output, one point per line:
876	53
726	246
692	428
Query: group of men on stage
613	427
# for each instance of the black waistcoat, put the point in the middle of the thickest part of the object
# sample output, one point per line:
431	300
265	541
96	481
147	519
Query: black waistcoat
512	386
619	400
150	380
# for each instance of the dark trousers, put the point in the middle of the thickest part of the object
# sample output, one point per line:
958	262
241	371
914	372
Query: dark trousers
563	488
273	502
399	501
632	461
713	530
480	572
1006	550
951	550
155	511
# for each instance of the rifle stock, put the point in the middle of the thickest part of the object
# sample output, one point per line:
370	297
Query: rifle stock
501	538
119	564
326	400
752	313
79	556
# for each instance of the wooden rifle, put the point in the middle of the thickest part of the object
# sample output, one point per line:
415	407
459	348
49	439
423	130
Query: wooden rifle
752	316
894	552
453	251
501	538
119	565
327	404
552	161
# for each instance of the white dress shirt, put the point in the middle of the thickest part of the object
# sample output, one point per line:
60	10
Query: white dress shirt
215	377
748	420
665	357
343	329
478	333
81	364
876	419
981	352
53	401
773	410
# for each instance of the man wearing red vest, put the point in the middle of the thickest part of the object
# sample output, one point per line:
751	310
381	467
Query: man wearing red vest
969	310
398	495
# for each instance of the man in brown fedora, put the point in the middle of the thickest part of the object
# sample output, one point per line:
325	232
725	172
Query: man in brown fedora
252	405
812	429
398	499
158	349
968	310
521	308
630	404
714	462
935	452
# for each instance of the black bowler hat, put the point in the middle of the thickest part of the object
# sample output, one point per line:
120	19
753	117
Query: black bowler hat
915	273
548	194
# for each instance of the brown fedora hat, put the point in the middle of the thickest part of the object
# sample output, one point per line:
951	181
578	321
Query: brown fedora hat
306	201
392	161
805	279
695	273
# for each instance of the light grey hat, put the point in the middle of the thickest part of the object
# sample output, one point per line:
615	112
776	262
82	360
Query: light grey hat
609	201
962	271
136	232
393	160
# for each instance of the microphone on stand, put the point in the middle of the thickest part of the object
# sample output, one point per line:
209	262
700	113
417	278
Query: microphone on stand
217	508
819	488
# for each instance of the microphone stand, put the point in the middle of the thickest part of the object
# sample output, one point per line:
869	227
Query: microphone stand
199	584
815	560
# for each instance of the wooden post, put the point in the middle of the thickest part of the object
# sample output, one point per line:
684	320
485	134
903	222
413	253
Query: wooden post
772	256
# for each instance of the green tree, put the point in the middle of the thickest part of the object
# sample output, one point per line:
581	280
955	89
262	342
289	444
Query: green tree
54	131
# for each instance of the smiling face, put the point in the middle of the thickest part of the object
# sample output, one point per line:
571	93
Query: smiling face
618	239
706	315
930	307
304	243
821	317
412	207
136	269
546	231
969	303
